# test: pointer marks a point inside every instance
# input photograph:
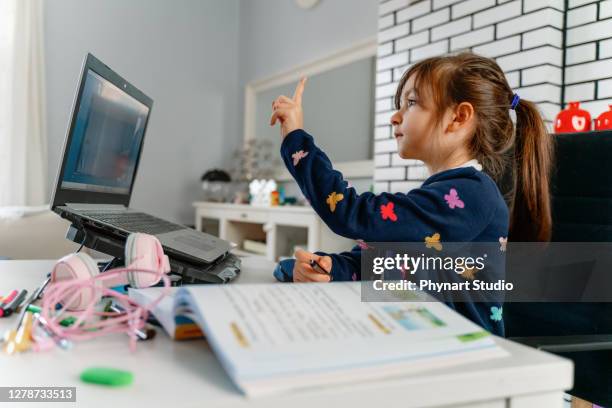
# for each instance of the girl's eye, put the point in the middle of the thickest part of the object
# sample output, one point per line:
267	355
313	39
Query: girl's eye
411	102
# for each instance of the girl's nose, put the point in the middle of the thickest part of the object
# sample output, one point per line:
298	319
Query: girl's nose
396	118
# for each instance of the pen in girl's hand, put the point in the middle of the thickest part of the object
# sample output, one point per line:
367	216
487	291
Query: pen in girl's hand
317	267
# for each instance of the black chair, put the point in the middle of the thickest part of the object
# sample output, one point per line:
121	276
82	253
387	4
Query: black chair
582	212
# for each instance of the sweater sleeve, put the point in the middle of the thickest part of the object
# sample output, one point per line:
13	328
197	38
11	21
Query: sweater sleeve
448	210
346	265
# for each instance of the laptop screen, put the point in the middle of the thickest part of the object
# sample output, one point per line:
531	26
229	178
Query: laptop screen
106	138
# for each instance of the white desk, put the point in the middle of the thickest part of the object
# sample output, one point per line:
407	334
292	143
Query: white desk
187	374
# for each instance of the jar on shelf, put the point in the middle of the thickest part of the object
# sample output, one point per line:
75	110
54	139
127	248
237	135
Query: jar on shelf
604	121
216	185
573	119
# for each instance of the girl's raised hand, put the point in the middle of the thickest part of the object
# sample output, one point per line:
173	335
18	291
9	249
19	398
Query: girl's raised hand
288	111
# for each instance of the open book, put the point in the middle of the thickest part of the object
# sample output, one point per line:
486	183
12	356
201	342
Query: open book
279	337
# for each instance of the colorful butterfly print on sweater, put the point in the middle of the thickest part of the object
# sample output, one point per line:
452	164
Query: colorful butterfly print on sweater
433	242
496	313
297	156
503	241
387	213
363	245
468	273
453	200
333	199
404	272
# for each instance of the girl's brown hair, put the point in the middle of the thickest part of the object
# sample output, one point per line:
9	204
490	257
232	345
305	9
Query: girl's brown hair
467	77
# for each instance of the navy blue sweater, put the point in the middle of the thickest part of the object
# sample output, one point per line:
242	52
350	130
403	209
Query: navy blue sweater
457	205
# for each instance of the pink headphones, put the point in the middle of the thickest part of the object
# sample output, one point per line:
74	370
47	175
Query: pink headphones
145	263
78	286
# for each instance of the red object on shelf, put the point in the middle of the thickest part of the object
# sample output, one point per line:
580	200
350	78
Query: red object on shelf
573	119
604	121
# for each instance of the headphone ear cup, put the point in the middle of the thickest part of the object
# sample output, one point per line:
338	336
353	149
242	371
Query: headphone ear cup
142	253
130	257
78	266
164	261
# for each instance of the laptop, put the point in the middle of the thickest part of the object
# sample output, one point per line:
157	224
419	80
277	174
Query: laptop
99	164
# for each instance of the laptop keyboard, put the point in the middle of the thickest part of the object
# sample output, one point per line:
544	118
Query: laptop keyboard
134	222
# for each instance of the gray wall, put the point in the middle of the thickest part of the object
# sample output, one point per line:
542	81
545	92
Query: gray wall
184	55
338	109
193	58
276	35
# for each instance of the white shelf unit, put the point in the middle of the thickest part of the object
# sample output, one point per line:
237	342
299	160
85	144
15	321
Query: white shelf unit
280	226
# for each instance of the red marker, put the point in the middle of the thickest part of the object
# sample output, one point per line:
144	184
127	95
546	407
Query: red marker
7	310
7	299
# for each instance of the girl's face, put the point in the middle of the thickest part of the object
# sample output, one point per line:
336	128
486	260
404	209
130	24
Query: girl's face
439	144
412	124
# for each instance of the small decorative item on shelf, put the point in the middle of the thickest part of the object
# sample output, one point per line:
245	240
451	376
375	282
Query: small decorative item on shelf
281	195
253	167
274	198
241	197
254	160
261	191
216	185
573	119
604	121
290	201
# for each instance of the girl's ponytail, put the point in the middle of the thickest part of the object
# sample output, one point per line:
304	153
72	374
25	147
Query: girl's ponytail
530	212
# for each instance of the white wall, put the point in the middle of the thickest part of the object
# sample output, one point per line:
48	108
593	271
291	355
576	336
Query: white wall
193	57
524	36
588	58
184	55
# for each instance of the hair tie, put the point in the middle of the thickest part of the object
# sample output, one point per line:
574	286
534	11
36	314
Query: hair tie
515	102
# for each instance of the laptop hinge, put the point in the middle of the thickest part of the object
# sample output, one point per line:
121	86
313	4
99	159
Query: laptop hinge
103	207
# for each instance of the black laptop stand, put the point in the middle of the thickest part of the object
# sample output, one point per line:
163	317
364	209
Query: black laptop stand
182	272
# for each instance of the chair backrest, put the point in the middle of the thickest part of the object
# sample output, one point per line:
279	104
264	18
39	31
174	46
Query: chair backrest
581	188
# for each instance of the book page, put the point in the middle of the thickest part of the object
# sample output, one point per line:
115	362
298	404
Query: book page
262	329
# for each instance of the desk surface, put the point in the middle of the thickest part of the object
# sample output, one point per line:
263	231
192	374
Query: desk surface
187	374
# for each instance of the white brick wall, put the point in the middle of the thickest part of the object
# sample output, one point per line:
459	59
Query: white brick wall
524	36
499	13
588	59
581	15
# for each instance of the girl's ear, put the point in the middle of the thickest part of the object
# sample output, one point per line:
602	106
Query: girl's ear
461	117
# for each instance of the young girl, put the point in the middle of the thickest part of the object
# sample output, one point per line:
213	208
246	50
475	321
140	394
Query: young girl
453	113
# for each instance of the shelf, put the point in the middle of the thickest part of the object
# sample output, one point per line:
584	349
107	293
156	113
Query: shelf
280	227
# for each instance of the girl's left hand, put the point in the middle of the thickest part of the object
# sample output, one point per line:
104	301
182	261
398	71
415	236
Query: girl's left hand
289	110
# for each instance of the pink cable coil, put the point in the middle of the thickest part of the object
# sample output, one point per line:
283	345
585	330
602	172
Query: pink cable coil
88	324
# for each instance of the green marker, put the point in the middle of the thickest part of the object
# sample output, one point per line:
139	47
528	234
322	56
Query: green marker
107	376
69	321
465	338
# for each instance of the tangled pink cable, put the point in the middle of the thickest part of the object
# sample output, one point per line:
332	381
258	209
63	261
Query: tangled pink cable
91	323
